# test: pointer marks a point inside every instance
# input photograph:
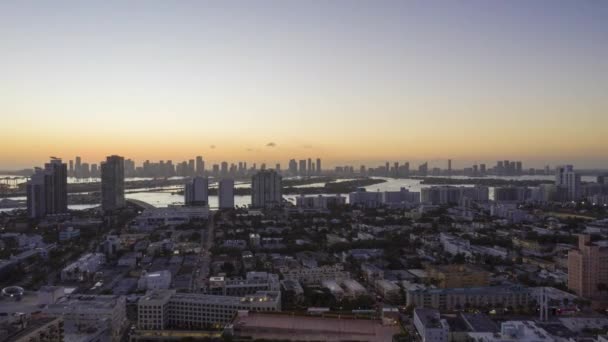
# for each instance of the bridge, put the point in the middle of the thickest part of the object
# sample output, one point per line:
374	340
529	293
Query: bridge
140	204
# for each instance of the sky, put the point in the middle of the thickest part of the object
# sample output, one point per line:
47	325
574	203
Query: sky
347	81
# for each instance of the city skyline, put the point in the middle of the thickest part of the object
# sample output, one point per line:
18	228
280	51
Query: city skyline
349	82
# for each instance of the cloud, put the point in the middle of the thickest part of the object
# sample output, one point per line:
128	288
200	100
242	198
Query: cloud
306	146
271	144
249	150
212	147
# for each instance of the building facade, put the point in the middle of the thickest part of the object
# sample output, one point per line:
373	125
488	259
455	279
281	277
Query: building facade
113	183
587	267
266	189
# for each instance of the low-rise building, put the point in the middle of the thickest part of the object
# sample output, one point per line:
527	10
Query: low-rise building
430	326
253	282
390	291
170	216
92	311
524	331
460	298
317	274
155	280
166	309
86	265
458	275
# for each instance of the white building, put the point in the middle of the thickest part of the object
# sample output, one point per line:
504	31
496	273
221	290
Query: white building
92	311
160	280
460	298
455	245
524	331
334	288
197	191
400	199
565	177
320	202
226	193
170	216
316	275
166	309
430	326
86	265
366	199
254	282
390	291
353	288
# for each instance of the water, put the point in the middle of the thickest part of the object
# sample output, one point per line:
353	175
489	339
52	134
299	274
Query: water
164	198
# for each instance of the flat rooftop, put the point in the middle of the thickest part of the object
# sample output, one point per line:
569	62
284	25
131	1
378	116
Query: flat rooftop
287	327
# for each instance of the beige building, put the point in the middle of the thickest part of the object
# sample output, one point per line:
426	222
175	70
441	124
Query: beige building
588	267
452	276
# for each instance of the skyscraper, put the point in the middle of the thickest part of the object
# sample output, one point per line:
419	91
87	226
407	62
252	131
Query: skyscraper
318	166
565	177
309	167
449	166
113	183
77	167
226	193
293	167
266	189
196	192
47	190
200	166
302	169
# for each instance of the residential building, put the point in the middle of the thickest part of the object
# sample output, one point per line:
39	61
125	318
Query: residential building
523	331
160	280
167	309
460	298
113	183
92	311
430	326
226	193
316	275
196	192
47	190
85	266
464	275
566	178
266	189
588	267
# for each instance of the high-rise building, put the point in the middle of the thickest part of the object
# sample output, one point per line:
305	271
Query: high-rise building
113	183
77	167
200	166
71	169
588	267
449	166
318	166
302	169
423	169
266	189
47	190
196	192
565	177
224	169
226	193
293	167
309	168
